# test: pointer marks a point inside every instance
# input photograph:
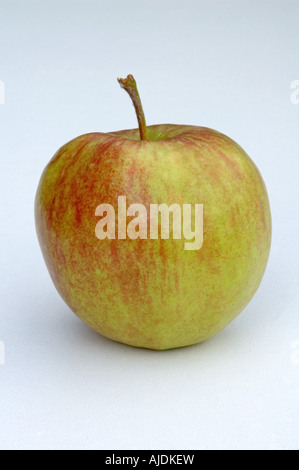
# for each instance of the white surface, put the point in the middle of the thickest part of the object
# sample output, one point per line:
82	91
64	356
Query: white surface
225	64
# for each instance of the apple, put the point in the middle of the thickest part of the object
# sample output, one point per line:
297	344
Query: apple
145	291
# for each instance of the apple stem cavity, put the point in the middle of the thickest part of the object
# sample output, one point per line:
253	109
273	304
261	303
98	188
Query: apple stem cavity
129	84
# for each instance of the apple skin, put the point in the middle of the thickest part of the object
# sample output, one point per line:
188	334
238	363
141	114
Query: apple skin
153	293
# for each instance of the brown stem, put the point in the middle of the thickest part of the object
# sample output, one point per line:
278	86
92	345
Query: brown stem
129	84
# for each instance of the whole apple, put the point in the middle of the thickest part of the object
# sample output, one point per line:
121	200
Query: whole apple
145	291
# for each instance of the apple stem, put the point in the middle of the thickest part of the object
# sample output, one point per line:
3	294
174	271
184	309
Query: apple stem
129	84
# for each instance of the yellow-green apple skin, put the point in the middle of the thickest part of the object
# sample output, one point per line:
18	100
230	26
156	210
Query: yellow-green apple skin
144	292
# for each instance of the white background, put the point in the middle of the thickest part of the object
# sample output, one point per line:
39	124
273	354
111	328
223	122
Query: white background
224	64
